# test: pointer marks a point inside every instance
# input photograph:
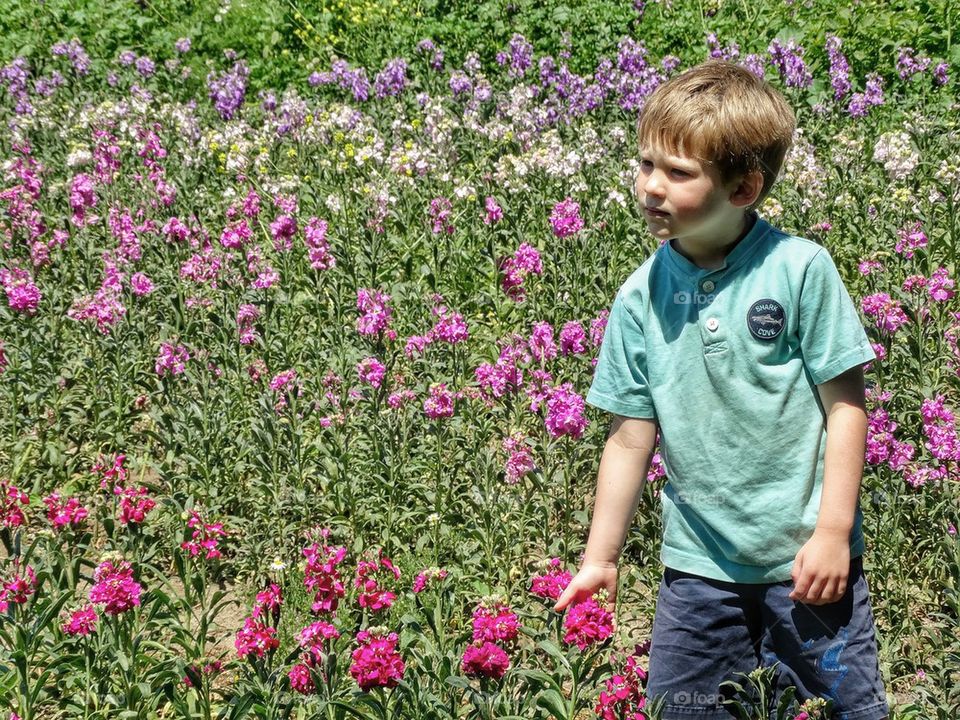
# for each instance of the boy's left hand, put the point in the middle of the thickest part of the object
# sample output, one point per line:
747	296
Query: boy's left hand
821	568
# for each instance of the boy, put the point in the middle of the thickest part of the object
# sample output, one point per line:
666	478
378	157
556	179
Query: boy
740	344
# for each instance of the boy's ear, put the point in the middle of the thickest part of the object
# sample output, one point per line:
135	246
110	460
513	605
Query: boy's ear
747	189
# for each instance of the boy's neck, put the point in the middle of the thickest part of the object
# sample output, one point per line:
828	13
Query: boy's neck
711	258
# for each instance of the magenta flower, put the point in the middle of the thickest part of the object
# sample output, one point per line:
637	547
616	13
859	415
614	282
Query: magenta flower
565	218
525	261
318	249
11	500
450	327
282	231
81	622
485	659
623	696
18	589
587	623
494	621
115	588
255	638
247	315
270	599
910	239
371	579
377	662
301	681
62	513
427	576
440	211
134	504
82	197
551	583
941	285
113	476
204	538
520	461
236	235
889	315
22	294
375	313
321	576
400	398
494	211
371	371
573	338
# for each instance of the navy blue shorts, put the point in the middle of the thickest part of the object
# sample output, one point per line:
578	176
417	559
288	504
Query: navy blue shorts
705	631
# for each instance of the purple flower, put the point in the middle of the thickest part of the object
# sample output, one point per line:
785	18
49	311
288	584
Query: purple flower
376	313
494	211
182	45
788	59
145	66
940	74
839	68
228	89
440	402
572	338
541	344
440	211
171	360
565	412
909	65
318	249
282	230
520	56
371	371
392	80
22	294
74	51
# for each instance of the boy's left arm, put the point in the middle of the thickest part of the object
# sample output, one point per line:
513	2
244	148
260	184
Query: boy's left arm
822	565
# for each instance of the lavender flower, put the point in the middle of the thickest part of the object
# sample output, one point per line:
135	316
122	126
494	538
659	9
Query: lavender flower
839	68
228	89
788	59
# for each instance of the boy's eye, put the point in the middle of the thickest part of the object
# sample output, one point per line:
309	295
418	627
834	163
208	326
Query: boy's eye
680	173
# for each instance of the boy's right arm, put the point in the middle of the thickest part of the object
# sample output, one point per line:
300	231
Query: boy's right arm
620	480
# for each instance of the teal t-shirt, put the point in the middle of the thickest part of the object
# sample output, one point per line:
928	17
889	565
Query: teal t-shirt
727	361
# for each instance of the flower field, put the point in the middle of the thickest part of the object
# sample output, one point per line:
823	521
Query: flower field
292	379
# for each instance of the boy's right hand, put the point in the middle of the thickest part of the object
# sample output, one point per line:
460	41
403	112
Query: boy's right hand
592	577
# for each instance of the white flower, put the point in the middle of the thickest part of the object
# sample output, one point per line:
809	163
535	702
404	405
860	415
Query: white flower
278	565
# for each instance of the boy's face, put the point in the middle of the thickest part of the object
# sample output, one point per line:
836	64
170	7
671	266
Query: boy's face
684	198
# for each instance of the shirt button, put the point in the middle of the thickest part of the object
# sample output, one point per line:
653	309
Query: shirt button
708	286
713	324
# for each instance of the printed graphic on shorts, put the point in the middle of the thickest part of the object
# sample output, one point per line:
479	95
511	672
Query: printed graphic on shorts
766	319
830	663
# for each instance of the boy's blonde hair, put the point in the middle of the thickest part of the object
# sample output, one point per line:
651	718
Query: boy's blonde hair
722	114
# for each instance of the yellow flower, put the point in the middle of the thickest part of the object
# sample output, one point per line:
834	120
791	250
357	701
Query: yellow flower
408	145
348	149
404	158
214	146
338	136
415	123
471	197
308	119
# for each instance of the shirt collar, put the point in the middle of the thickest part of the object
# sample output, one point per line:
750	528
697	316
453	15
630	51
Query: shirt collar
735	257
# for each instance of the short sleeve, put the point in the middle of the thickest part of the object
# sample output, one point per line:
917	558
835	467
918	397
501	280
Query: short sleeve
832	338
620	382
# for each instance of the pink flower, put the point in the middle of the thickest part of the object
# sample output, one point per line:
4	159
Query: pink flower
115	588
269	600
623	697
587	623
910	239
541	344
321	576
377	662
370	579
371	371
68	512
520	462
597	328
255	638
565	218
22	294
204	538
11	499
440	211
565	412
81	622
867	267
888	313
236	235
485	659
400	398
450	327
171	360
941	286
282	230
525	261
551	584
141	284
247	315
427	576
82	197
572	339
375	313
318	249
494	211
440	402
113	476
18	589
494	621
134	504
301	680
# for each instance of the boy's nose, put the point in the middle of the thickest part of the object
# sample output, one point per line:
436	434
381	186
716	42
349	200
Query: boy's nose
653	185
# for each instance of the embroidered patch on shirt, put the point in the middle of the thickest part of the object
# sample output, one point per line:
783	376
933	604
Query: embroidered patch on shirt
765	319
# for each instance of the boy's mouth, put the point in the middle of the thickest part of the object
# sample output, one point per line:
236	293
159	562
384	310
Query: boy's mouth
653	212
